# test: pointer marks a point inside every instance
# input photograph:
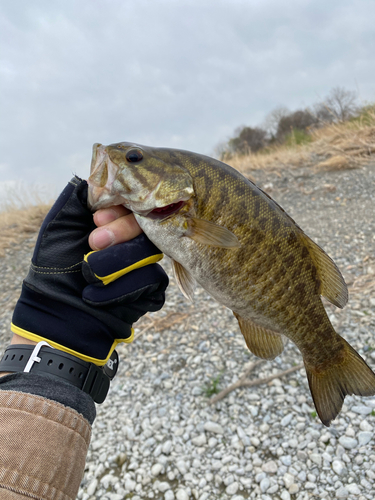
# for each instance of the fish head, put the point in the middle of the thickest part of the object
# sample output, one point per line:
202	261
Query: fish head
142	179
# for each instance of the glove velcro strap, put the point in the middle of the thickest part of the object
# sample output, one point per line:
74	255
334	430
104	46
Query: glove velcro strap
108	265
38	317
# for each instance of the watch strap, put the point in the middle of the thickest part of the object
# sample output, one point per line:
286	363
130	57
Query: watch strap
43	359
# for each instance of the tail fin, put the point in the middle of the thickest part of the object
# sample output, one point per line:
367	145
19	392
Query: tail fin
329	388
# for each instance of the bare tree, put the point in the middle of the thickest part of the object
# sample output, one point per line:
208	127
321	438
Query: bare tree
302	119
342	103
271	121
248	140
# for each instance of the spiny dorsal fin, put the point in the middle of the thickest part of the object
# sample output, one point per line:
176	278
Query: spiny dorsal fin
262	342
329	388
184	279
333	285
209	233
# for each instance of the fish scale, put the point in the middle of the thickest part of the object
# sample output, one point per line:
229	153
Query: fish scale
224	232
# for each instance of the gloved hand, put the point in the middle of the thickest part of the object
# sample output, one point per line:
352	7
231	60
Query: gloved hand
83	302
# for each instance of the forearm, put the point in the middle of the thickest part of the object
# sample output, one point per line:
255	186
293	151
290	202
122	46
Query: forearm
44	435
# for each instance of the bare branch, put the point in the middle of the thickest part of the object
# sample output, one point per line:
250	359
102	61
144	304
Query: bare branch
242	382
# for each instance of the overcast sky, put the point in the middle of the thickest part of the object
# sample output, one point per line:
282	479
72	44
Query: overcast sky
172	73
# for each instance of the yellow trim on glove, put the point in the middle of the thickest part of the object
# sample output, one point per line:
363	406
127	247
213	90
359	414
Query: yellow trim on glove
99	362
114	276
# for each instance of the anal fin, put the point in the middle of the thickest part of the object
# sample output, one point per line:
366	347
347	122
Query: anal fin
262	342
184	279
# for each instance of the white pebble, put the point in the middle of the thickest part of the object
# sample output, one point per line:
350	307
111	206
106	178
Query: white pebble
156	469
365	426
270	467
288	479
286	420
232	488
361	409
164	486
342	493
353	489
199	440
130	484
285	495
348	442
316	458
182	495
338	467
364	438
92	487
293	488
213	427
167	446
264	484
169	495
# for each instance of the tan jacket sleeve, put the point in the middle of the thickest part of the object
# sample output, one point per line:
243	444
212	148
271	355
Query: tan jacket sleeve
43	447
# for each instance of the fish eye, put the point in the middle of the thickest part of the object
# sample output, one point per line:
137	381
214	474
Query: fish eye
134	155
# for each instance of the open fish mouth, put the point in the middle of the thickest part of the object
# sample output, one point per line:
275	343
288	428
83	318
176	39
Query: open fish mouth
168	210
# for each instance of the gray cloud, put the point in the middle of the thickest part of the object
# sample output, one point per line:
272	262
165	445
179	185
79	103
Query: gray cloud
171	73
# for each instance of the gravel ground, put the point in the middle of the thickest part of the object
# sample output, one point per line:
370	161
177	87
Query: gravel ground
156	436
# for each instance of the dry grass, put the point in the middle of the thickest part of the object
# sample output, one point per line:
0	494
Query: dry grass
334	147
16	225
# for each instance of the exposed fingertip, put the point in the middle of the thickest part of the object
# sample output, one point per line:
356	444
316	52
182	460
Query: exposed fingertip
102	238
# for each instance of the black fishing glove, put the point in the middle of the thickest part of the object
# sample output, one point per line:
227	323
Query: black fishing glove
83	302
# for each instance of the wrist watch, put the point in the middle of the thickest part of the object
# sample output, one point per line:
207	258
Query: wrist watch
42	359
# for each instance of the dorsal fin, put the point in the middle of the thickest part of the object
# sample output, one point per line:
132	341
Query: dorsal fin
262	342
333	285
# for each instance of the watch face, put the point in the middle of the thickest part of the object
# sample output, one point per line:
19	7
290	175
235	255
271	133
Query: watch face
110	369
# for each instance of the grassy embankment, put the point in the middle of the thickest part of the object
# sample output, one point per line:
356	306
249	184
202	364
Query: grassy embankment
337	146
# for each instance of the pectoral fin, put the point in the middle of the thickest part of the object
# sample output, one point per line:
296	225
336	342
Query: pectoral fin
333	285
209	233
262	342
184	279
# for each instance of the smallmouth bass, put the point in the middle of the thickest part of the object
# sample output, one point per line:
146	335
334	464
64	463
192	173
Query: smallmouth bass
225	233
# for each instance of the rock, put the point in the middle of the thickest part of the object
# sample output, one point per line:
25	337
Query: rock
285	495
293	488
182	495
156	469
361	409
270	467
364	437
264	484
288	480
286	420
286	460
130	484
169	495
338	467
199	440
164	486
92	487
167	446
316	458
232	488
182	466
365	426
348	442
213	427
353	489
342	493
